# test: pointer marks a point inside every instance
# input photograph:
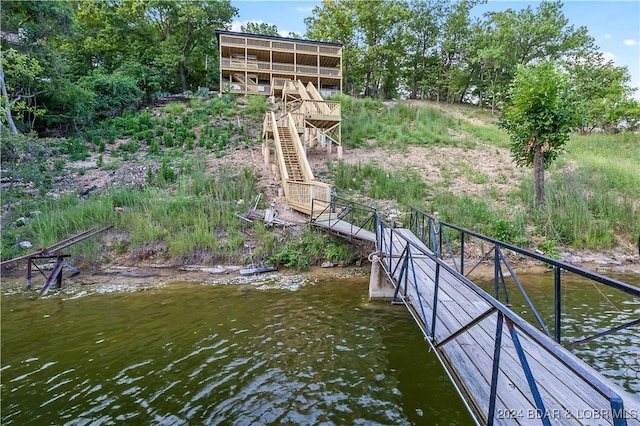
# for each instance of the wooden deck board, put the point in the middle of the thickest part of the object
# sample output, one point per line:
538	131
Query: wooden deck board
567	397
345	228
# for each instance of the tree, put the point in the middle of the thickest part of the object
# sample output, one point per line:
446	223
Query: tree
604	92
506	39
538	116
167	43
335	21
186	34
372	35
21	76
7	103
424	28
260	28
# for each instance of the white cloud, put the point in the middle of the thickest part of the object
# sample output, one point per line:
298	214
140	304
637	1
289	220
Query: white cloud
630	42
608	56
304	9
607	35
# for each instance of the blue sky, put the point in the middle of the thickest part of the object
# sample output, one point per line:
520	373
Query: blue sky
615	25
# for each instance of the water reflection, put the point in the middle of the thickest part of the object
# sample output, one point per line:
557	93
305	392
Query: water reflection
588	308
237	354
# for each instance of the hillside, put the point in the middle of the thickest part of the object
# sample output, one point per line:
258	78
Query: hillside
173	180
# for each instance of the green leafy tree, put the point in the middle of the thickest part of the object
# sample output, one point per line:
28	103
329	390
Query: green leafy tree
164	44
604	93
372	35
20	77
426	19
112	93
186	35
538	115
260	28
335	21
503	40
453	47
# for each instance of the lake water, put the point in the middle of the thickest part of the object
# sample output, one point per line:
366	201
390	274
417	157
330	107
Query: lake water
293	350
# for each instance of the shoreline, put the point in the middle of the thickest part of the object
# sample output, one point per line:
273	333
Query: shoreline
118	277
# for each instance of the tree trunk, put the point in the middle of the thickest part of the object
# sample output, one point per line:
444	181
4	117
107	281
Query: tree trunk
7	104
183	76
538	177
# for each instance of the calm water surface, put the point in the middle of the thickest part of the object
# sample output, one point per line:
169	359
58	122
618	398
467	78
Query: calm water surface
316	353
283	351
588	308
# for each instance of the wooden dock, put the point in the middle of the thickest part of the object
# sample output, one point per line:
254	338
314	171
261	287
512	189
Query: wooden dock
344	228
507	371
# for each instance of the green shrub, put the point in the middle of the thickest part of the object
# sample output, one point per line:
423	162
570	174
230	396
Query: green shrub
113	93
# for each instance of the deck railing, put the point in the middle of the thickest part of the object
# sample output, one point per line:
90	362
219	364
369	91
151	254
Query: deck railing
301	194
359	216
305	168
436	235
300	46
249	64
278	147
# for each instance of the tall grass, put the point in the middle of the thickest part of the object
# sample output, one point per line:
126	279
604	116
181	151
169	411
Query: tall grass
610	162
195	219
582	211
366	120
406	186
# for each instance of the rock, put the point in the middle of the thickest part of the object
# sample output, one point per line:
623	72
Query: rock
25	244
21	221
327	264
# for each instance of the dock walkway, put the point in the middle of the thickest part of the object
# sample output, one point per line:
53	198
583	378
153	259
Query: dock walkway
507	371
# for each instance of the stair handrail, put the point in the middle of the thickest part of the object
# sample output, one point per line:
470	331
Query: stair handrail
300	152
276	141
318	101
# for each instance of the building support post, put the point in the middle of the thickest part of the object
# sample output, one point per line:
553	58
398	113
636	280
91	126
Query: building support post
265	152
29	273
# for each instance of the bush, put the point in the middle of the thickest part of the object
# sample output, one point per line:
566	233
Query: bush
112	93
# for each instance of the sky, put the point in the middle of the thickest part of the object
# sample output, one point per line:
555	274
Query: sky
614	25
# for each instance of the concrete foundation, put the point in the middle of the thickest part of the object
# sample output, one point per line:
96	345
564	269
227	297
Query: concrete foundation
379	287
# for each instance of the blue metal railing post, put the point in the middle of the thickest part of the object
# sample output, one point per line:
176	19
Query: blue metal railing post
533	387
415	284
494	372
558	302
496	272
435	302
461	253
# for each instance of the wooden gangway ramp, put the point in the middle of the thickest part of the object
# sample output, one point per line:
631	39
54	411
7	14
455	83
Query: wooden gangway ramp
507	371
344	229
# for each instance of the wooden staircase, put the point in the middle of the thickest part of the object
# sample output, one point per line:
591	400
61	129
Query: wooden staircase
291	160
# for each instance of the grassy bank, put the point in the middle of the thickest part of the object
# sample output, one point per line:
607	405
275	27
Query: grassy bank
184	208
592	190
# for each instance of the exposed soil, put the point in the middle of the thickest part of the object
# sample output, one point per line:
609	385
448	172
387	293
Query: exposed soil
462	171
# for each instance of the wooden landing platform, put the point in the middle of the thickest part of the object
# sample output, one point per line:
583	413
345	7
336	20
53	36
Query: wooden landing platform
345	229
464	337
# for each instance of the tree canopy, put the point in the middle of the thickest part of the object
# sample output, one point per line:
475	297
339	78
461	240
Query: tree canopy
423	49
539	115
56	48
